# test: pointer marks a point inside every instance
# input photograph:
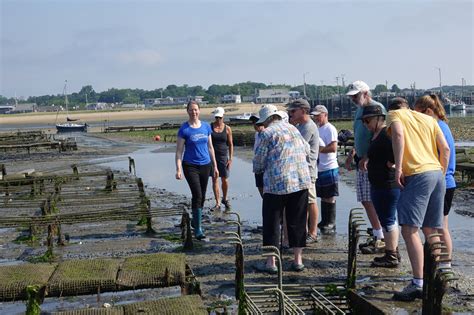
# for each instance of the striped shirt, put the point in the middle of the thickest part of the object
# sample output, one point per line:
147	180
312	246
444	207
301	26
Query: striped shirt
282	155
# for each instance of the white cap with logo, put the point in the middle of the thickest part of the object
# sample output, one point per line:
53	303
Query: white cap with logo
356	87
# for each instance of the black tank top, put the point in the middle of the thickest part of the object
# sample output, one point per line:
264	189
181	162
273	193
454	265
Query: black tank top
219	141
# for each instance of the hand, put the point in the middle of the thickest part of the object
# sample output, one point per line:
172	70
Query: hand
178	175
348	163
400	179
229	163
216	172
363	164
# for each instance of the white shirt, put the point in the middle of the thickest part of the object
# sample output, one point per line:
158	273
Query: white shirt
327	161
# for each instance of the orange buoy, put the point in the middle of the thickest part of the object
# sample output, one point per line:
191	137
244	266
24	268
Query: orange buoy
157	138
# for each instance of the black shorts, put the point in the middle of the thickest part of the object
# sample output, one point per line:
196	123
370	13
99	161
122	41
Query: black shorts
259	180
222	168
448	200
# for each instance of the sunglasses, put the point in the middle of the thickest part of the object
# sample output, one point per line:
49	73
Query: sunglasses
366	120
291	111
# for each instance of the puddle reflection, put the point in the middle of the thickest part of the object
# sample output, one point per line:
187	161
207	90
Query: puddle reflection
157	170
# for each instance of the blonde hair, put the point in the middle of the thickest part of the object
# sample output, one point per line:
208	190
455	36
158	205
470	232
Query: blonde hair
432	102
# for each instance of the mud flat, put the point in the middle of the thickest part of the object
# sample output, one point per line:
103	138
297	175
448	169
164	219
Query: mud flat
213	261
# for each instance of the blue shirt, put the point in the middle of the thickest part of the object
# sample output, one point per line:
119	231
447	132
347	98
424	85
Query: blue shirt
362	135
450	182
196	150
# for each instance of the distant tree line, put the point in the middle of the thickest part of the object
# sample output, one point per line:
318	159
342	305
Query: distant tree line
212	94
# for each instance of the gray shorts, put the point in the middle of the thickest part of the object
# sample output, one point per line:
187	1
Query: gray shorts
421	202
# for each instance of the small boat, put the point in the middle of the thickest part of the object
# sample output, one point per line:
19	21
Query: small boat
70	125
458	106
243	117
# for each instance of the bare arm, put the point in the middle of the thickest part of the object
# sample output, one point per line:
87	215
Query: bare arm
330	148
213	156
398	144
350	158
179	156
231	146
443	149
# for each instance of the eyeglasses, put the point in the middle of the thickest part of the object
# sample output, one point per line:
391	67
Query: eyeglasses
218	117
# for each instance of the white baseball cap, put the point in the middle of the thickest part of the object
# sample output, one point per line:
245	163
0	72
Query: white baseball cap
219	112
356	87
268	110
319	109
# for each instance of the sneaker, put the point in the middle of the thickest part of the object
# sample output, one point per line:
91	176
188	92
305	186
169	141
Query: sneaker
226	203
409	293
369	241
376	247
399	257
311	239
389	260
266	269
297	267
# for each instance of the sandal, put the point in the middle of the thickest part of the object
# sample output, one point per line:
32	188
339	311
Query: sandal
297	267
216	208
226	203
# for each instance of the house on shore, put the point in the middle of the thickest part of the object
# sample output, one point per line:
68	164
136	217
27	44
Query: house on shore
172	101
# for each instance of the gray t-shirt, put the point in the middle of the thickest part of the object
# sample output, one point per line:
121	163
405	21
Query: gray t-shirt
310	133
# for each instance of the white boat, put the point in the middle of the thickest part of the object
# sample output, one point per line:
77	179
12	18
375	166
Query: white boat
243	117
70	125
458	105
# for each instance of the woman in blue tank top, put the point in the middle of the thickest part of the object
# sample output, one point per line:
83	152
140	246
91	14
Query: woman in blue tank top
194	138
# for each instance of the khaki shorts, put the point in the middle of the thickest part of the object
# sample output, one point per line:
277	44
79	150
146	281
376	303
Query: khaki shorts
312	194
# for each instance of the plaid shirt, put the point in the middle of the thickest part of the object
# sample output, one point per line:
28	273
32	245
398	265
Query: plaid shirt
282	155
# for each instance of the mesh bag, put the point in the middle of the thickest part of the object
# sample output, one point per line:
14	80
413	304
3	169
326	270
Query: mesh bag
15	279
188	304
93	311
154	270
76	277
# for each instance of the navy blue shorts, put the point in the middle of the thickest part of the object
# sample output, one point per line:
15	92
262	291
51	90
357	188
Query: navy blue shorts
385	202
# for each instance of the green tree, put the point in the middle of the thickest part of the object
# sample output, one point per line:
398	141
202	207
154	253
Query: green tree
380	88
395	88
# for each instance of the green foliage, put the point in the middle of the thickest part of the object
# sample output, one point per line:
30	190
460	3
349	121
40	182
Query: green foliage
34	300
211	94
380	88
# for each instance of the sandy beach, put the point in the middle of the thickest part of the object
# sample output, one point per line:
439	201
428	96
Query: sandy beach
110	116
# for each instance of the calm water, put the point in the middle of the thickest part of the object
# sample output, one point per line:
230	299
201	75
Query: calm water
157	169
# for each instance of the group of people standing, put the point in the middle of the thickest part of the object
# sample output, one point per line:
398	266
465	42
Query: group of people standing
405	176
404	161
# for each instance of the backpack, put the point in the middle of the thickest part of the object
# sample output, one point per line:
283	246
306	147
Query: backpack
344	135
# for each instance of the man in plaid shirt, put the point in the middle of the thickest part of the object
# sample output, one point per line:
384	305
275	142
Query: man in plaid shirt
282	156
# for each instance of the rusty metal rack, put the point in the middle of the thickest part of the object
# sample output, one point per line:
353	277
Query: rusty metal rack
34	140
55	199
435	279
313	298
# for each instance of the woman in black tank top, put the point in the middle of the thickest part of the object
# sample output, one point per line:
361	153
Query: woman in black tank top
224	150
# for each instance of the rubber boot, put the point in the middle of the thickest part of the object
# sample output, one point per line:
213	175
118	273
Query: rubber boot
197	218
324	218
329	212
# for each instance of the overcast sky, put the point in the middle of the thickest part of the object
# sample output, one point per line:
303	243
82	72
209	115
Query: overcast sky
151	44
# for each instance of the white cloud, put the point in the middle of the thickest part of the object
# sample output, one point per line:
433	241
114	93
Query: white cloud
145	57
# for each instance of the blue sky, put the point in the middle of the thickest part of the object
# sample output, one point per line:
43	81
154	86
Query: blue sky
151	44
